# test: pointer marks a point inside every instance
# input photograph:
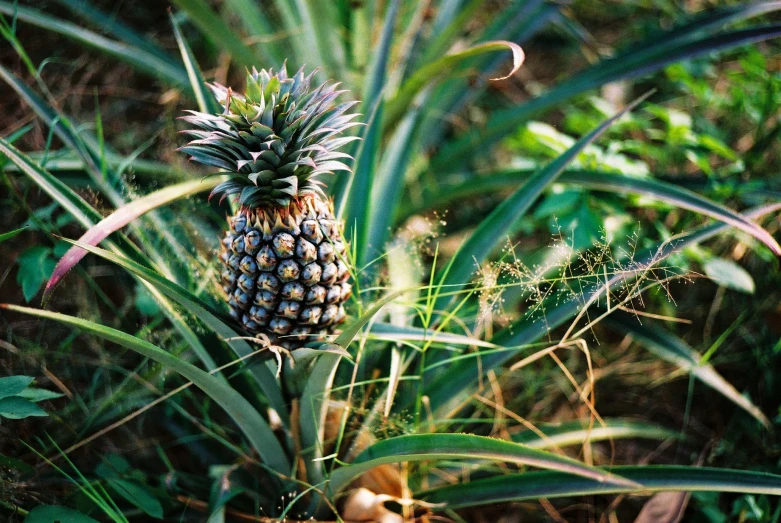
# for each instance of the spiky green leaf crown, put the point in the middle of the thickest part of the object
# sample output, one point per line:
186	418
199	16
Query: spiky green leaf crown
275	140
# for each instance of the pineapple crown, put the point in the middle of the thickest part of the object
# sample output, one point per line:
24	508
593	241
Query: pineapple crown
275	139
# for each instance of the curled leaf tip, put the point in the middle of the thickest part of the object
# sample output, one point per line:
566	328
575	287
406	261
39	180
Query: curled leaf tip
518	58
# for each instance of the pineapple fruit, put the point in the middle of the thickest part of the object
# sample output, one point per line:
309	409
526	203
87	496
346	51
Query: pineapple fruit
284	272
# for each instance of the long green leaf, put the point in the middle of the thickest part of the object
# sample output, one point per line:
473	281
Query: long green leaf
653	478
109	23
432	447
218	31
121	217
378	68
657	53
255	428
495	228
10	234
141	59
673	349
603	181
350	192
446	65
389	332
453	387
388	183
317	33
259	26
351	330
314	409
204	312
574	433
83	213
206	101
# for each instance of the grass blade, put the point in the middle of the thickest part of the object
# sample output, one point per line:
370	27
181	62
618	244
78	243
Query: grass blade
653	478
254	427
431	447
10	234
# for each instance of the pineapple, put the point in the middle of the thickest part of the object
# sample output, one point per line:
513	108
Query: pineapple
283	254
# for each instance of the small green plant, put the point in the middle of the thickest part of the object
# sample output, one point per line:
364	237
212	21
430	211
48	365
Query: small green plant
404	401
18	400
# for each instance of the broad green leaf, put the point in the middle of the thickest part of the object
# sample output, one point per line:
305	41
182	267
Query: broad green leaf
497	226
575	433
14	407
10	234
204	312
254	427
56	514
388	185
432	447
204	97
597	180
374	83
121	217
36	265
141	59
448	391
653	478
729	274
314	409
138	495
389	332
15	464
352	204
13	385
673	349
447	65
35	394
217	30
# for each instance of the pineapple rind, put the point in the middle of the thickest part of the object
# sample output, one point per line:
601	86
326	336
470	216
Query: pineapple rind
284	273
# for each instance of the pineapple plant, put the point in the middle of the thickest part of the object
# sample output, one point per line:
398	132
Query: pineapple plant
285	273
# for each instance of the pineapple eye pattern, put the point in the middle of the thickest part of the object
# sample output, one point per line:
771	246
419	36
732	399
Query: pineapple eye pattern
284	269
282	289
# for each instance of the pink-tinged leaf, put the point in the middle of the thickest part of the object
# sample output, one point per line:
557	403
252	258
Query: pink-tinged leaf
121	217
